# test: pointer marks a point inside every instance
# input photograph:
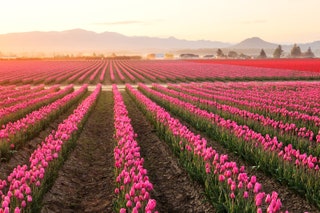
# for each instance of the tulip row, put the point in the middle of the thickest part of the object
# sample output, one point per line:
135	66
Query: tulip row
191	70
145	70
309	64
141	75
126	72
14	134
301	119
136	70
131	71
122	78
93	75
284	162
16	94
301	96
26	185
133	186
20	109
90	72
65	71
38	71
82	73
5	90
111	72
9	100
227	185
103	73
301	138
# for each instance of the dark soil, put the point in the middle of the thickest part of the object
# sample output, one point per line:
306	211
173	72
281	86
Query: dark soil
174	190
85	182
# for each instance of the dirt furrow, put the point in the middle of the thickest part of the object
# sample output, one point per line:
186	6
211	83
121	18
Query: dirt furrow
86	181
173	188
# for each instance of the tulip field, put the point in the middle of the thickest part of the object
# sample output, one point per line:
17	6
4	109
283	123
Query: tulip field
65	72
159	136
290	64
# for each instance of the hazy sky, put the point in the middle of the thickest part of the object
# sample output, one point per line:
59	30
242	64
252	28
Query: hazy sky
222	20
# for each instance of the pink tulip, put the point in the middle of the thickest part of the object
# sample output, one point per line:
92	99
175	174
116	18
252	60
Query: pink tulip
268	198
259	198
257	187
129	204
232	196
151	205
245	194
221	178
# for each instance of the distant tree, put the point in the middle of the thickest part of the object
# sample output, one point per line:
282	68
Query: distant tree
295	51
278	52
262	54
243	56
232	54
220	53
309	53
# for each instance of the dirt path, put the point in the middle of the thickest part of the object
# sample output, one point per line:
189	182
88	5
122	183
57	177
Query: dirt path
173	188
86	181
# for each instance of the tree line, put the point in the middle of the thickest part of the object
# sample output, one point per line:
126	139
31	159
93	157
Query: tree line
277	53
294	53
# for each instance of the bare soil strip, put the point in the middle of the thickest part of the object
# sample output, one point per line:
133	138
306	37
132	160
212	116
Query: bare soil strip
174	190
85	183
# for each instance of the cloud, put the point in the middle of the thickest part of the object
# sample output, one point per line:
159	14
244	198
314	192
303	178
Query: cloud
258	21
128	22
120	23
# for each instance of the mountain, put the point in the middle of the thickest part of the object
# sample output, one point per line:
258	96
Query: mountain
254	43
313	45
252	46
78	40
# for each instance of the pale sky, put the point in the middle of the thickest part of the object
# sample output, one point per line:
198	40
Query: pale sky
232	21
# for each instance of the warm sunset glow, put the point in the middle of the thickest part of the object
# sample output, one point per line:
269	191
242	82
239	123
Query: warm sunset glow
229	21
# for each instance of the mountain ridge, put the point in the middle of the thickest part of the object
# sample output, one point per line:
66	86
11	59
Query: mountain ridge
80	40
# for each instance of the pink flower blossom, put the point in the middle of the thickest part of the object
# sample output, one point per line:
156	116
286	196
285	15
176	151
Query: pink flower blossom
245	194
